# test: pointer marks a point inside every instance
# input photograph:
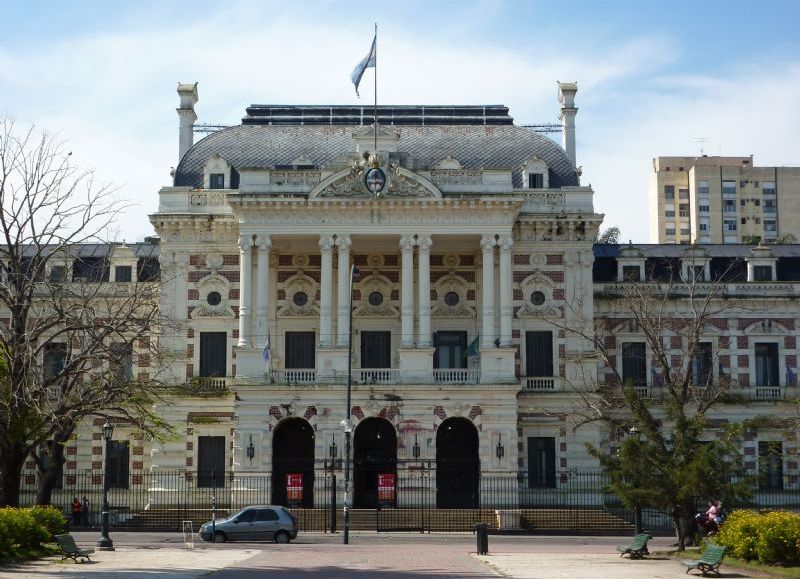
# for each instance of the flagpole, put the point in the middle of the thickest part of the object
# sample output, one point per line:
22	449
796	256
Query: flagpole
375	108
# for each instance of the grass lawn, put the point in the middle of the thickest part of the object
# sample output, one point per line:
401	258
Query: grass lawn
19	555
729	562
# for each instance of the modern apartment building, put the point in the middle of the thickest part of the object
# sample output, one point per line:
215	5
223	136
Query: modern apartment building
722	200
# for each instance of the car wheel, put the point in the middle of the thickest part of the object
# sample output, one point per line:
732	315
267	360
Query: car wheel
282	537
220	537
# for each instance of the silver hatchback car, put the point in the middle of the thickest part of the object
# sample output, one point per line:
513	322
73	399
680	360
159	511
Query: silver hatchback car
257	523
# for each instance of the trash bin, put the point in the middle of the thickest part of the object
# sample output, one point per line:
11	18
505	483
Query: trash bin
482	536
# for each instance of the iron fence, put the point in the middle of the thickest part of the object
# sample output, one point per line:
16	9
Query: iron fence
416	497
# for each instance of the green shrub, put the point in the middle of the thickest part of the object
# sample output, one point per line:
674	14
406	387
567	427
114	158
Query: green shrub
768	538
50	518
20	529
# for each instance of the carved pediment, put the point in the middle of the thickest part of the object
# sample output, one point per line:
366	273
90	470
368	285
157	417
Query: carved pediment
400	182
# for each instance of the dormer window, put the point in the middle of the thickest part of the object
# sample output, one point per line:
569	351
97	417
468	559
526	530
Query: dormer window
123	273
762	273
631	273
535	180
216	181
58	273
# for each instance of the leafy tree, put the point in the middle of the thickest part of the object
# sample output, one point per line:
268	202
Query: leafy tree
681	456
609	236
66	341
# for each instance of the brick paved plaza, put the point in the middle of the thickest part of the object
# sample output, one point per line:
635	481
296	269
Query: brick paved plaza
369	555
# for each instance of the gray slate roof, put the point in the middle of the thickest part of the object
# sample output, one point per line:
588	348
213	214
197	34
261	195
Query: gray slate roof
475	146
677	250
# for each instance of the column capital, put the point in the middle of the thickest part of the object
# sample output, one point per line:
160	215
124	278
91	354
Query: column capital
343	241
506	242
264	241
424	242
326	242
407	243
488	241
245	242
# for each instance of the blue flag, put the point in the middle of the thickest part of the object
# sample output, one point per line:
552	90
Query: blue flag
366	62
266	351
791	377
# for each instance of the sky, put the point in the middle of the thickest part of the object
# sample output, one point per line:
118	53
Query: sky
654	78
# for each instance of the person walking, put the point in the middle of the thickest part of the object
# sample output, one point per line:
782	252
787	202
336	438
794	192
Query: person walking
85	511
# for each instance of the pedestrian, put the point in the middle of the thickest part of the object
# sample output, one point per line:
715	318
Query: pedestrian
85	511
76	511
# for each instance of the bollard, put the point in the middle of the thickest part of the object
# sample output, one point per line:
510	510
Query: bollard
482	537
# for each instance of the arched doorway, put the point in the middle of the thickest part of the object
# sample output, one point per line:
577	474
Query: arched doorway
457	465
293	453
374	453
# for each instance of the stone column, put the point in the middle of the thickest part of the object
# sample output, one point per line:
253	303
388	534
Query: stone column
245	289
407	292
343	317
505	243
424	243
487	291
263	243
326	291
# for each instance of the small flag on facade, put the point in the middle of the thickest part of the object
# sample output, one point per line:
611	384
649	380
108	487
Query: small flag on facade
791	377
266	351
368	61
473	348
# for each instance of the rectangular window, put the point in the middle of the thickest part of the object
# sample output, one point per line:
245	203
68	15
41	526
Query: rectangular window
696	272
770	206
768	188
300	350
213	354
684	231
729	205
770	465
729	224
633	272
376	349
539	354
55	356
702	187
741	202
118	464
535	180
669	213
683	209
669	231
683	193
669	192
122	273
216	181
701	365
451	350
744	220
770	225
121	364
729	187
767	365
703	209
757	202
742	184
634	364
58	273
210	461
703	227
541	462
762	273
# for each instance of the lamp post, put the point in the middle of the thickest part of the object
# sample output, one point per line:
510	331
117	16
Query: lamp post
346	421
104	543
637	508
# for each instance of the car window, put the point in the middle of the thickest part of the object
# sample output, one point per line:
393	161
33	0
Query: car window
267	515
247	517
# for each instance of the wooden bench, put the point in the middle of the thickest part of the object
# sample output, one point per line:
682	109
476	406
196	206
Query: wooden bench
637	549
709	562
69	550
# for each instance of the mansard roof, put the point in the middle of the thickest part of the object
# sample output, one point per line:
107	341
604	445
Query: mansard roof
477	136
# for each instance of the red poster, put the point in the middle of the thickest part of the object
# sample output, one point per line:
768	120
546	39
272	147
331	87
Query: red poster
294	488
386	490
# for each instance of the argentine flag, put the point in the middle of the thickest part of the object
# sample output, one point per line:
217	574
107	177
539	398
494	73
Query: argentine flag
367	62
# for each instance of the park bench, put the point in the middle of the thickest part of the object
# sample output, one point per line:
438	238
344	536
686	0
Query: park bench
709	562
637	549
69	550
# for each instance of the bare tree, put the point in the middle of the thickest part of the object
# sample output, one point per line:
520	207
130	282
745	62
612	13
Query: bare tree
69	339
671	454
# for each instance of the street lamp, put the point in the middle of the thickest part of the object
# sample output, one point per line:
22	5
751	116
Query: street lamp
500	451
104	543
637	508
346	421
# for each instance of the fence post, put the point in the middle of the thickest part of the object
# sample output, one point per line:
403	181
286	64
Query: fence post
333	501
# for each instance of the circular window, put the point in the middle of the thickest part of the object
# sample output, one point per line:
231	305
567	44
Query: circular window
451	299
300	299
375	298
537	298
213	298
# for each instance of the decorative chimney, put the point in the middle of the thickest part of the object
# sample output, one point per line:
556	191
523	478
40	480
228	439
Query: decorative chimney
566	96
188	94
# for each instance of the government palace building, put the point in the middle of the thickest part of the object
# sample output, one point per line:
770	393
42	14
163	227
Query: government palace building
443	263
